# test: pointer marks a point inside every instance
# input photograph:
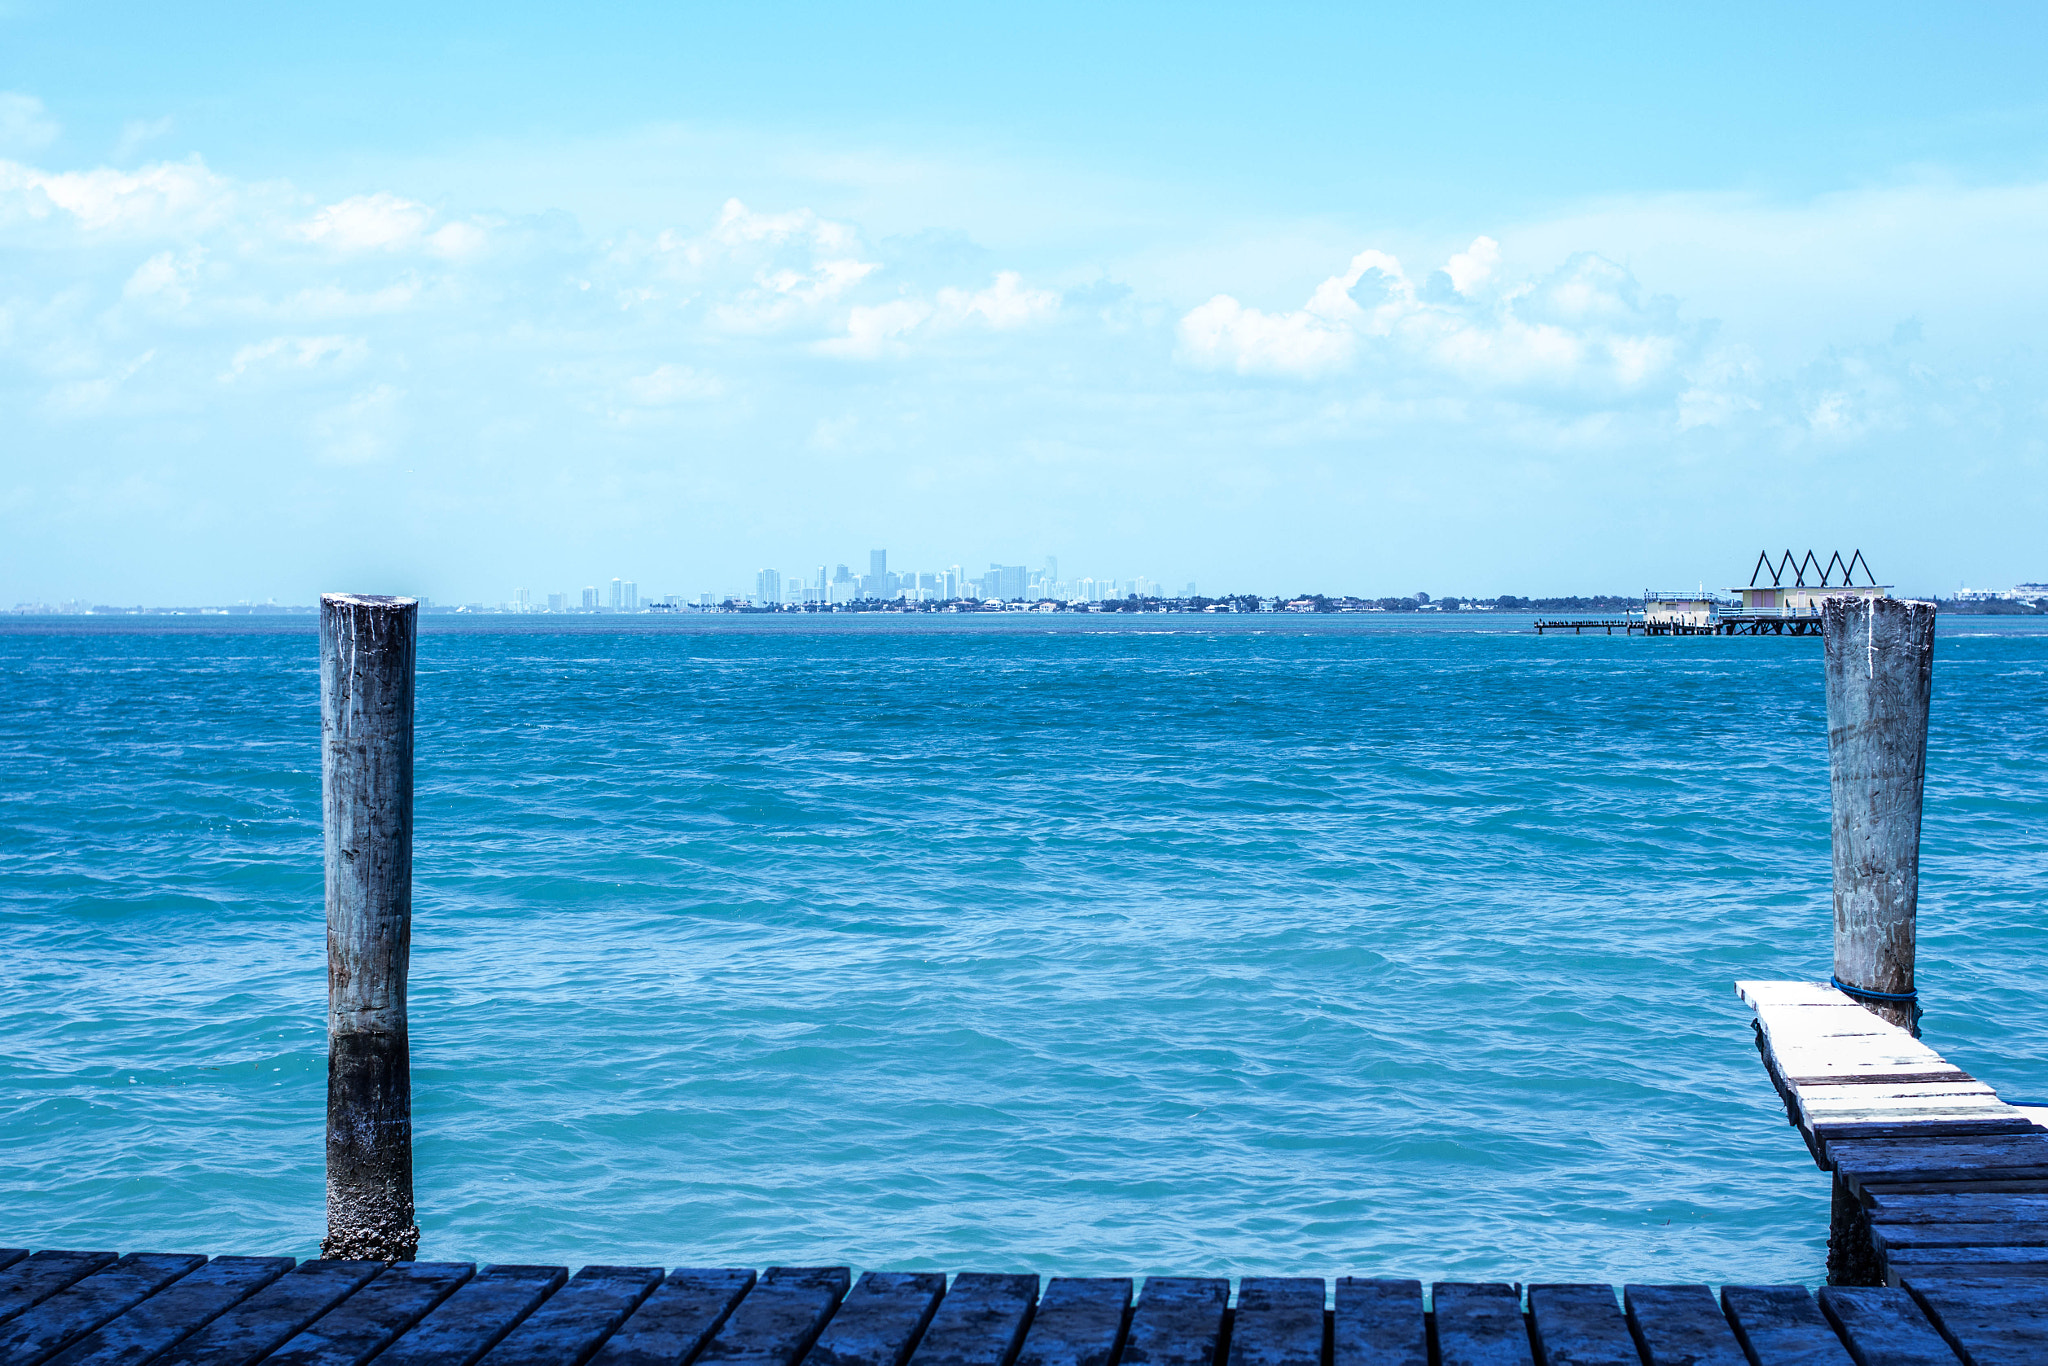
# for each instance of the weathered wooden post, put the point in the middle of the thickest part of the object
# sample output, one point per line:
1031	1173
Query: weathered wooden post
366	685
1880	668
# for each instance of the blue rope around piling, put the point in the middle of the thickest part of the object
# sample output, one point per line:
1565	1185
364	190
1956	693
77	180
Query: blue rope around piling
1911	998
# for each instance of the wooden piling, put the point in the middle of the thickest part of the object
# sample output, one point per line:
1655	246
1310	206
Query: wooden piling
367	649
1880	667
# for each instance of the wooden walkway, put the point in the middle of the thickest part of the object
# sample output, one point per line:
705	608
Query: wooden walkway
90	1307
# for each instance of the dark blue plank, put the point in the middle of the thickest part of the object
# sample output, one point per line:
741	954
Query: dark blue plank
469	1322
261	1323
573	1323
1884	1327
73	1312
10	1255
1987	1319
173	1313
1379	1322
780	1317
1579	1325
366	1322
981	1321
1479	1325
879	1321
31	1280
1680	1325
1780	1325
1279	1322
1079	1323
1178	1322
672	1325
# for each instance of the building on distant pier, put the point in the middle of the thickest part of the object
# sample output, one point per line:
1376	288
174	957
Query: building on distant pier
1801	597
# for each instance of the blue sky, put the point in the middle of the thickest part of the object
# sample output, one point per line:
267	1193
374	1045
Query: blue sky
1498	299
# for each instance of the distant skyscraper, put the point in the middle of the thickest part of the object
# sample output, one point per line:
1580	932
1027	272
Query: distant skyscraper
1191	590
768	588
618	595
1052	569
1009	581
590	597
558	602
522	598
631	596
878	565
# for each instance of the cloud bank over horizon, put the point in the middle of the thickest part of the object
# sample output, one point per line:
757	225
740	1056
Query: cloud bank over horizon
460	397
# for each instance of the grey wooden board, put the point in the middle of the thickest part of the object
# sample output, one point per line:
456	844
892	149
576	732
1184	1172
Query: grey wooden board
573	1322
1079	1322
469	1322
2002	1158
253	1328
1681	1325
1962	1207
1987	1320
41	1331
1379	1322
1970	1261
879	1321
33	1279
1780	1325
1579	1325
1479	1325
1279	1322
981	1321
1892	1235
363	1324
1178	1322
181	1308
780	1317
673	1324
1884	1327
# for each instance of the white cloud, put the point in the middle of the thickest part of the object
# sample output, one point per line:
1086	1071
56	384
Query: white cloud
139	133
80	398
166	278
367	222
1584	330
870	331
670	384
296	353
167	196
25	126
361	431
1004	304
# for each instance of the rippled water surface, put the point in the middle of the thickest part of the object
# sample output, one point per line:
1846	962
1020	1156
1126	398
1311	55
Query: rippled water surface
1374	947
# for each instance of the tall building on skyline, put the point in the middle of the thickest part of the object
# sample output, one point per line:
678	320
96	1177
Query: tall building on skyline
768	587
878	565
590	597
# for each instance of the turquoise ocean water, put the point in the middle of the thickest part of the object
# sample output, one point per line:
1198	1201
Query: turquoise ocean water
1374	946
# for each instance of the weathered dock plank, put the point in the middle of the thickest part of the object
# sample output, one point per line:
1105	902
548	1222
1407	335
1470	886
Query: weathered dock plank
1279	1322
1889	1205
1780	1325
1579	1325
33	1279
673	1324
780	1317
572	1323
1080	1322
10	1255
1479	1325
366	1322
44	1329
981	1322
167	1317
469	1322
1379	1321
879	1321
1884	1327
1680	1325
1970	1261
258	1325
1178	1322
2013	1157
1986	1319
